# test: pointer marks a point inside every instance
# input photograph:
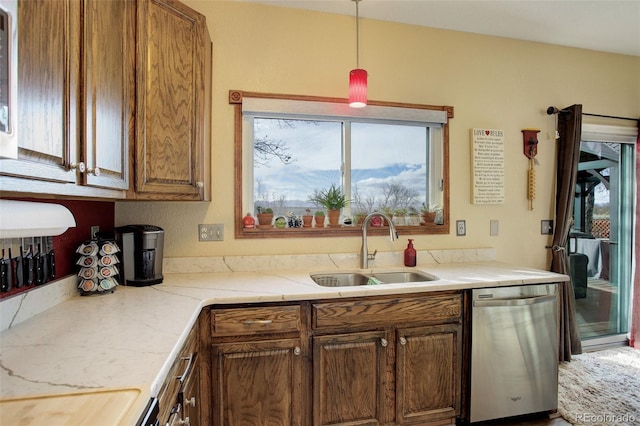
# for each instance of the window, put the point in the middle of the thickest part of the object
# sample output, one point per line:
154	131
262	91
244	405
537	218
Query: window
386	157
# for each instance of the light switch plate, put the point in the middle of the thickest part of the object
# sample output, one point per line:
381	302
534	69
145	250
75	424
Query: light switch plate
211	232
546	227
461	228
493	228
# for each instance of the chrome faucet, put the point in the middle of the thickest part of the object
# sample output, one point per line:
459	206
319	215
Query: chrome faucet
365	257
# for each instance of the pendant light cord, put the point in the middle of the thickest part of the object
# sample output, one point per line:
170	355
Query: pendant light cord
357	34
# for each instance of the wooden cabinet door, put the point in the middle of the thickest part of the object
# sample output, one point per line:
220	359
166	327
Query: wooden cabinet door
173	111
109	86
48	97
257	383
349	378
76	96
428	373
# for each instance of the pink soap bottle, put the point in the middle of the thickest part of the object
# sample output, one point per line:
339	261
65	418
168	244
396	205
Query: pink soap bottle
410	254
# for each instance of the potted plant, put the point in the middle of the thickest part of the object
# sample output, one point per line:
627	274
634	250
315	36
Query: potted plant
319	216
307	219
358	218
265	216
428	214
399	216
413	217
389	212
333	199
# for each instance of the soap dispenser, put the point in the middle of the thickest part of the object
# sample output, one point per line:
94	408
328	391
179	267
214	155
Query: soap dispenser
410	254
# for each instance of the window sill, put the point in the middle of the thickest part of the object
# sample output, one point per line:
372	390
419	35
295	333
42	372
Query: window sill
339	231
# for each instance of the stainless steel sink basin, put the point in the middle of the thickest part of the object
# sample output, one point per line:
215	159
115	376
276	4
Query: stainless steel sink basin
340	279
348	279
403	277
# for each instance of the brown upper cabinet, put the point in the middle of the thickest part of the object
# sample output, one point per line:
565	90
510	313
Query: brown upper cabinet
82	73
173	103
75	98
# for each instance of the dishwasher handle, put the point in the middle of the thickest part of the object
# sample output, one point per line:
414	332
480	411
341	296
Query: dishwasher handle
521	301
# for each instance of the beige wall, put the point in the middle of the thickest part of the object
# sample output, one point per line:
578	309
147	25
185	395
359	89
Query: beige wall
492	83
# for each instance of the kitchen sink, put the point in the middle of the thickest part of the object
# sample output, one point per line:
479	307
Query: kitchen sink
403	277
340	279
348	279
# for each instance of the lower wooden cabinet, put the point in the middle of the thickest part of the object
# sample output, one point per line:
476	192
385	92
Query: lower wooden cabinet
257	365
349	378
361	361
428	379
257	383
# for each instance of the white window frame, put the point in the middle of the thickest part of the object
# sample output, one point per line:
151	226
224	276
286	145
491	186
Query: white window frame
253	108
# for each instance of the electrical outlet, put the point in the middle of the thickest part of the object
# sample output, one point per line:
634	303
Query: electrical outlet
493	228
94	232
211	232
546	227
461	228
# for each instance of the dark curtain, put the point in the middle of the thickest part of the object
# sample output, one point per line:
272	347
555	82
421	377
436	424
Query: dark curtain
568	147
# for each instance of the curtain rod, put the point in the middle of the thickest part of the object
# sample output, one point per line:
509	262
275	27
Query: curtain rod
554	110
611	116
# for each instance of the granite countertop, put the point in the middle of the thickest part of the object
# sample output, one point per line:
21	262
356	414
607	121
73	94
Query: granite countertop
130	338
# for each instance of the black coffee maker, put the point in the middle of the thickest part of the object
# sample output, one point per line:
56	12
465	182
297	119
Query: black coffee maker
141	254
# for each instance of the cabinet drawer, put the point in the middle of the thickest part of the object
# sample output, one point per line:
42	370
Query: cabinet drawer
259	320
367	312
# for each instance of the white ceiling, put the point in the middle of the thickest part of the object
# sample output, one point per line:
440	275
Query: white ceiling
602	25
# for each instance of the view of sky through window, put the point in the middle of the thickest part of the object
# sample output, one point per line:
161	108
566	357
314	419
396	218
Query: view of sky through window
293	158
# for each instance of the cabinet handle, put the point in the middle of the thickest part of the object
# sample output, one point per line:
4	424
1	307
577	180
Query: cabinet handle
297	350
403	341
191	401
199	184
95	171
181	378
81	167
384	342
252	322
185	422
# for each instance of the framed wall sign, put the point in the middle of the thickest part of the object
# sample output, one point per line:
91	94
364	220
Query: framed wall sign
487	164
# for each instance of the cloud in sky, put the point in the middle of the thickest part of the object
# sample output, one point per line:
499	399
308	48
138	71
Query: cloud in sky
380	154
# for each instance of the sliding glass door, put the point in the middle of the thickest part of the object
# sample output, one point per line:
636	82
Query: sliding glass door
601	242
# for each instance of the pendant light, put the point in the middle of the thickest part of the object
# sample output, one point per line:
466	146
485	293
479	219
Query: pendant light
358	76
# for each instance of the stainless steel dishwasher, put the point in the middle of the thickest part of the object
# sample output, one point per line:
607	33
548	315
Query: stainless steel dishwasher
514	351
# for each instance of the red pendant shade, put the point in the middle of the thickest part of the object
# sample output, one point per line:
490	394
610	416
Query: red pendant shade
358	88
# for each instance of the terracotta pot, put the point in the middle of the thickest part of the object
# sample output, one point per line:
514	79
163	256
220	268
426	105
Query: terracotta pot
334	217
265	219
307	220
428	217
319	221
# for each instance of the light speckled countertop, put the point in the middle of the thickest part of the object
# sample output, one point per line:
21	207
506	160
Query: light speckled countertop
129	339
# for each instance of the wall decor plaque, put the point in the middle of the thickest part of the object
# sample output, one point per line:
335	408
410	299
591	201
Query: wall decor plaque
487	166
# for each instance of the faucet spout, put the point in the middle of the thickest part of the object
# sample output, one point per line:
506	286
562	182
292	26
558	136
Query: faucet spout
364	251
